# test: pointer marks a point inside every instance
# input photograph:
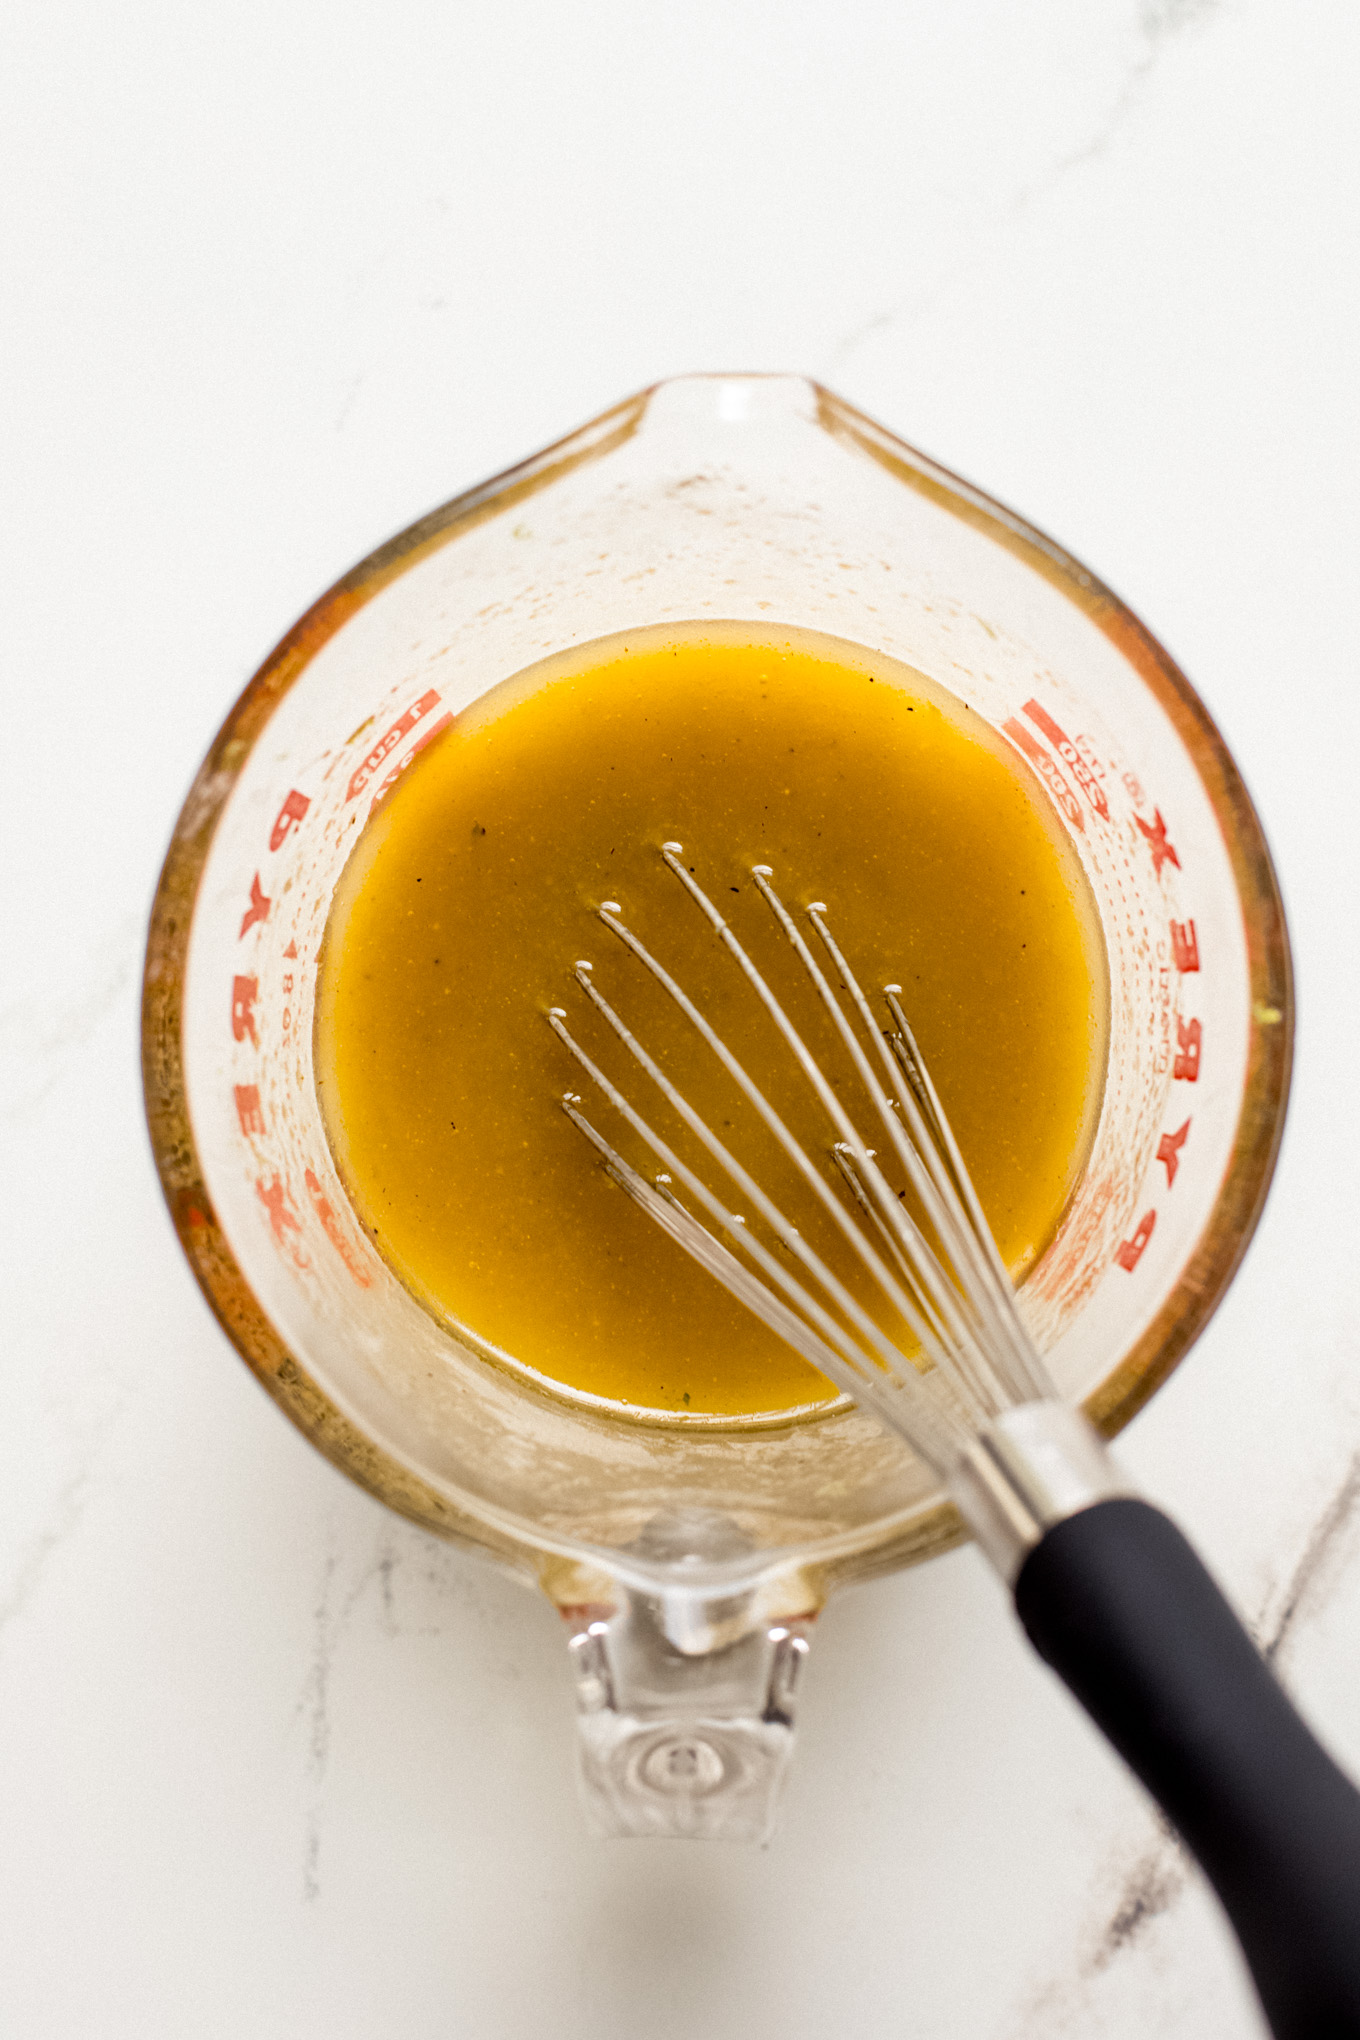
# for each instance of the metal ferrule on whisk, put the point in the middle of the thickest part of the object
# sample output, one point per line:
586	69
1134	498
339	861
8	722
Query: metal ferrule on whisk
1026	1470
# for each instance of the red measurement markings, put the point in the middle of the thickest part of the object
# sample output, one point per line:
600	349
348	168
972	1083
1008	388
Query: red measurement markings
330	1225
1184	946
258	910
248	1108
389	741
1130	1251
1189	1041
1071	757
1047	771
395	774
287	818
284	1226
1154	833
244	992
1169	1151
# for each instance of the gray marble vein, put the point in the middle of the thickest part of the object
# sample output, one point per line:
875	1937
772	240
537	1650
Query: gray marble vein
62	1521
315	1706
38	1037
1157	25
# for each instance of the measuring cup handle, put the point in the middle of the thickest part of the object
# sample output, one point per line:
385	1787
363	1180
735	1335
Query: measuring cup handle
677	1738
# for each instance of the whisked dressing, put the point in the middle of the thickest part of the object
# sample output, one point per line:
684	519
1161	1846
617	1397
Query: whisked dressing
471	893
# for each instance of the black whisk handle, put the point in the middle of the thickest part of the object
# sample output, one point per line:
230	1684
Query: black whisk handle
1118	1604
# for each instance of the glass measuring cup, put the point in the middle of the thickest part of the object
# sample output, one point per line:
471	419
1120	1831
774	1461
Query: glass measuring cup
690	1554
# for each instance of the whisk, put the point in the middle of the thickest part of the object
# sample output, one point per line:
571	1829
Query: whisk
1107	1589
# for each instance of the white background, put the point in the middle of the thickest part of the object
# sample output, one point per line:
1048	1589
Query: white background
275	280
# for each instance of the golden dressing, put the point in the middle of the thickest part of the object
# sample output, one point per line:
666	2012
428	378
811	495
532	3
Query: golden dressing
470	896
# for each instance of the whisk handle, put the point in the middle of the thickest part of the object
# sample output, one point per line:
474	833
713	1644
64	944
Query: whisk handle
1117	1602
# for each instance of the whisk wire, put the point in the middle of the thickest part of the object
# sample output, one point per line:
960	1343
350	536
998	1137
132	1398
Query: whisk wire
666	1209
609	914
808	1064
1037	1380
892	1246
949	1306
952	1205
954	1298
890	1364
959	1304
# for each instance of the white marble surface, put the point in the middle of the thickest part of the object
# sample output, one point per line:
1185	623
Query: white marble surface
276	279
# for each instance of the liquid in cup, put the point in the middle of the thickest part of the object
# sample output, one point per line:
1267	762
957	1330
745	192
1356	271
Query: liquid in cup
471	892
